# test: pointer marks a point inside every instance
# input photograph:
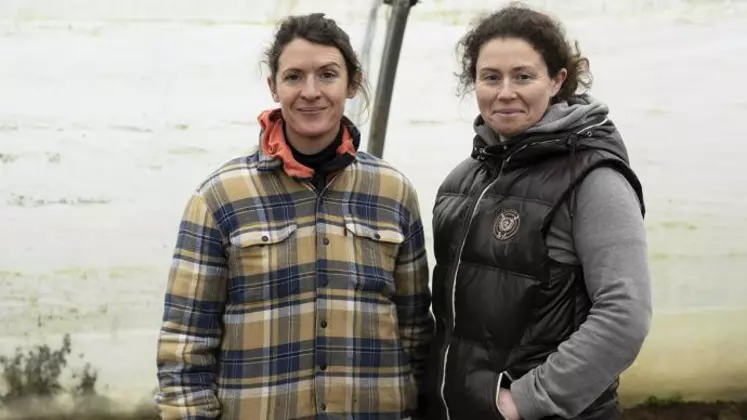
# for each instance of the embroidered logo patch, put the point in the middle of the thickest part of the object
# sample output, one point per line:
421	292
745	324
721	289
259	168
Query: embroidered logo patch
506	224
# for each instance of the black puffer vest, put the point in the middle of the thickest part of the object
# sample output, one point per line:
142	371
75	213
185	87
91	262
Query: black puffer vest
501	304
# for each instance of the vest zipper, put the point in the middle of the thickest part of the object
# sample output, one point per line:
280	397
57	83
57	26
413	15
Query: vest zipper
453	291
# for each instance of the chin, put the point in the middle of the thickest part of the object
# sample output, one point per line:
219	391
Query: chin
314	131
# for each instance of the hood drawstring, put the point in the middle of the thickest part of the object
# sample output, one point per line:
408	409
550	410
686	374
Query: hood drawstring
571	142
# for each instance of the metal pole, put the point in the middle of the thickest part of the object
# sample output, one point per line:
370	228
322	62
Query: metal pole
387	73
368	38
354	107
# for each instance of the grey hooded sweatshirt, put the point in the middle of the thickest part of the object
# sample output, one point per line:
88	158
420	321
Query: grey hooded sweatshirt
607	237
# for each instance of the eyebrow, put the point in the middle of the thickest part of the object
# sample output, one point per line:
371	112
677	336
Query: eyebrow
331	64
518	68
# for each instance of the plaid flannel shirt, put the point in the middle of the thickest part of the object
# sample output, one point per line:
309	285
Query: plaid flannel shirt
286	303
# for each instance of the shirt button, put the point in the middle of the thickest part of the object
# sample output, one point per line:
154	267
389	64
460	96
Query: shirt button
325	241
323	367
324	407
377	236
324	324
265	238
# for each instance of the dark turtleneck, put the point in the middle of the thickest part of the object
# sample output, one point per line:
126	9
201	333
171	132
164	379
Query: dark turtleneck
323	162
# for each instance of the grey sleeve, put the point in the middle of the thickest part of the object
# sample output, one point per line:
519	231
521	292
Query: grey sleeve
609	240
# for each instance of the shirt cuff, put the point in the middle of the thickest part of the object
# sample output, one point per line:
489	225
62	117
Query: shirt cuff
524	397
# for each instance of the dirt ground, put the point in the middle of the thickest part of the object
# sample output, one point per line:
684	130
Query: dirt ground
689	411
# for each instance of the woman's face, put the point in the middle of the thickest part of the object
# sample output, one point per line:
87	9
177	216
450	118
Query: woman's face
513	86
311	86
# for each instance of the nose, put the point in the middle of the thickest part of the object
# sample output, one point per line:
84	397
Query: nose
506	91
310	89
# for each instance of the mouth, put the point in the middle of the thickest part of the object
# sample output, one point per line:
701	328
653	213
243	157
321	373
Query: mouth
311	109
509	112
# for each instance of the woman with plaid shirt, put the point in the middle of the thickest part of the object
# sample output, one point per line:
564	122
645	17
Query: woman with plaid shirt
299	284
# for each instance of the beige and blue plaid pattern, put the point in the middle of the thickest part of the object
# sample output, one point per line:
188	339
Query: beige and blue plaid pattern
284	303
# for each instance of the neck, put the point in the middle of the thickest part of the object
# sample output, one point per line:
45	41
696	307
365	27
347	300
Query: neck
310	145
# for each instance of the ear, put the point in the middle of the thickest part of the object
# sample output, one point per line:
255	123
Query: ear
558	80
353	89
273	88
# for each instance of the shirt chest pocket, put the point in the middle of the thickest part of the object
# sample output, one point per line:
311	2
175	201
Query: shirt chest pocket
374	245
262	259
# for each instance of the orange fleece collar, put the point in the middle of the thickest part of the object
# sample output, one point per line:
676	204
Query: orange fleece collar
275	146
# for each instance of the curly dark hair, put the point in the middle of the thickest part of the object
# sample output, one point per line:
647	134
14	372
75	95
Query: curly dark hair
544	33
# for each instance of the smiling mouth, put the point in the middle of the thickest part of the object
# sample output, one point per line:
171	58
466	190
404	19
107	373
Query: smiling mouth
312	110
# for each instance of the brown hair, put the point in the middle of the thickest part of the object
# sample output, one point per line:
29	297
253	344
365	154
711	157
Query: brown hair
544	33
317	29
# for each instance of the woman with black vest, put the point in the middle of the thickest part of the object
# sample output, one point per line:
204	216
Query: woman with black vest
541	288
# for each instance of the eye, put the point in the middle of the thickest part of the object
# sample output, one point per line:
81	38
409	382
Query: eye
491	77
523	77
329	75
291	77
